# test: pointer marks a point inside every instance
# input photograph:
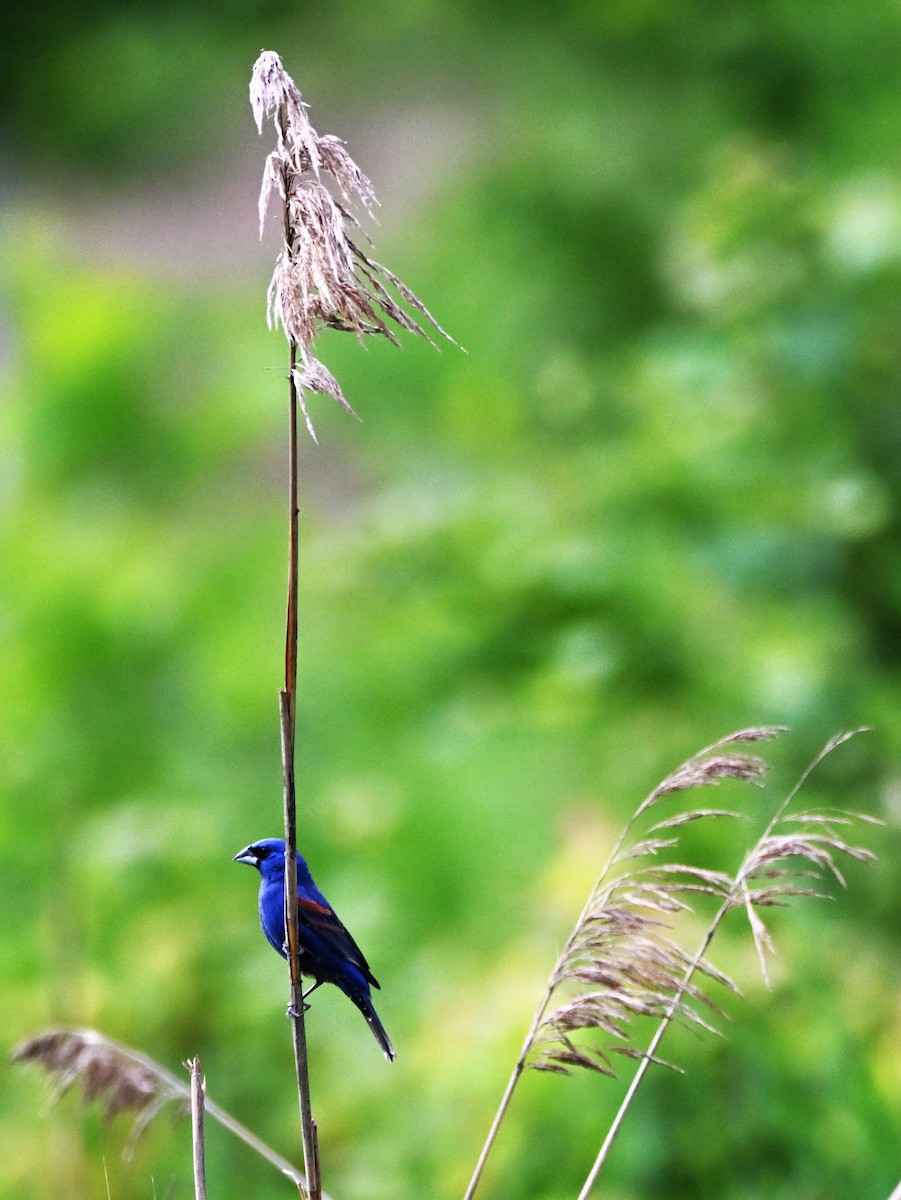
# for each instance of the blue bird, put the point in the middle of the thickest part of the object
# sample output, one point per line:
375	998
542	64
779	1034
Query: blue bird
327	951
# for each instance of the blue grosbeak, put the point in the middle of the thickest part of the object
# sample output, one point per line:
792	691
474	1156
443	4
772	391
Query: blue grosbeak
327	951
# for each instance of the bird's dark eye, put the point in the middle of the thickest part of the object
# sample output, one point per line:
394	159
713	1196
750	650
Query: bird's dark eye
261	851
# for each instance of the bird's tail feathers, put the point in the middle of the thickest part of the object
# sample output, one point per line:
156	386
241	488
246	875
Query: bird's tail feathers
364	1004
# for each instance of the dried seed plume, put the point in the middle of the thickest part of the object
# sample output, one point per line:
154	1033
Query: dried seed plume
323	279
794	856
622	960
122	1080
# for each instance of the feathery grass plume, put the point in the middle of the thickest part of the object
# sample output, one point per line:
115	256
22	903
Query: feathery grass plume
793	852
122	1081
621	947
126	1081
323	279
622	961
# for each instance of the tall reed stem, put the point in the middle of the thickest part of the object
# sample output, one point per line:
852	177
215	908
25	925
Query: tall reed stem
537	1020
198	1100
322	280
288	723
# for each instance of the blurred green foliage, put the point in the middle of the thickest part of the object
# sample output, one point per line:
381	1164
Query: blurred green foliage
655	501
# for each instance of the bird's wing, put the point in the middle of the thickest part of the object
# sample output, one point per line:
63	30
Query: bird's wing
324	922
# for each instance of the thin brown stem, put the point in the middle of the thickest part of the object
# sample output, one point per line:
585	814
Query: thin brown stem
518	1069
287	720
293	553
296	1008
198	1099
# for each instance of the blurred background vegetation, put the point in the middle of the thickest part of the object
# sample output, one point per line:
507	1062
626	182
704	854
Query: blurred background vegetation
656	501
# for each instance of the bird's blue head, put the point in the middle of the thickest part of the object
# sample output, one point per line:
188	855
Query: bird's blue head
268	856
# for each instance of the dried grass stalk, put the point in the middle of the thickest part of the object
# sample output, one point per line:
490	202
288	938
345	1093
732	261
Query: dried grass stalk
622	946
198	1141
622	960
795	851
121	1081
125	1081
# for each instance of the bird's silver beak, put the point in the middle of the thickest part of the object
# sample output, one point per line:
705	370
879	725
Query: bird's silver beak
246	856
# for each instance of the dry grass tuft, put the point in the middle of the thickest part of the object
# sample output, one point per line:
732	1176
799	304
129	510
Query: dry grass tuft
622	961
622	947
124	1080
795	851
323	279
120	1079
